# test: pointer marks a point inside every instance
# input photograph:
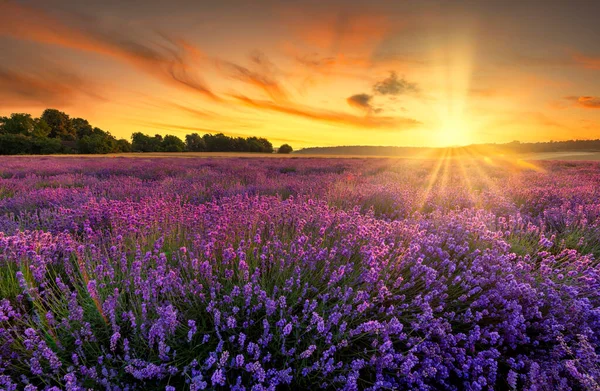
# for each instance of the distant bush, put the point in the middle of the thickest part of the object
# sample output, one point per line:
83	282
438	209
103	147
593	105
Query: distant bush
285	148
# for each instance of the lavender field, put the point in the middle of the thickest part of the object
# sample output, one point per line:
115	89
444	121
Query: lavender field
274	274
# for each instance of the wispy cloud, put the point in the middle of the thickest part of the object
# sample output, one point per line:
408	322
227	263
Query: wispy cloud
192	110
49	86
368	121
167	61
587	102
337	31
329	42
263	76
587	61
350	38
182	128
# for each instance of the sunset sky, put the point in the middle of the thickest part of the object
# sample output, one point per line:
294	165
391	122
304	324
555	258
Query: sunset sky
413	73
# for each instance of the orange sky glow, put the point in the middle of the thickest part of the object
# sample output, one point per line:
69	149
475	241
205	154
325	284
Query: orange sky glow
413	73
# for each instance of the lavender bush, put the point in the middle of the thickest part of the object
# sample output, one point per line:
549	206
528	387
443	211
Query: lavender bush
249	274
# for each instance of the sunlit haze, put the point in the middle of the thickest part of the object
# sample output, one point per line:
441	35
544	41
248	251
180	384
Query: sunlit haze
410	73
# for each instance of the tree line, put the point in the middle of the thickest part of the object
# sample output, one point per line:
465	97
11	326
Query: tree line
512	147
196	143
55	132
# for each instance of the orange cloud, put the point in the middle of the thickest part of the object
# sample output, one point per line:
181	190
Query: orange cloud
195	112
264	78
587	102
326	42
181	128
338	31
50	87
587	62
167	62
331	116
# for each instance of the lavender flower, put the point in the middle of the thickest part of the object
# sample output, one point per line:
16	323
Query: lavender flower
201	274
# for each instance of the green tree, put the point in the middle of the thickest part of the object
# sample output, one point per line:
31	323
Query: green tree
144	143
15	144
172	143
217	142
46	146
195	143
18	123
94	143
239	144
253	144
285	148
98	141
265	145
60	125
81	127
123	145
41	129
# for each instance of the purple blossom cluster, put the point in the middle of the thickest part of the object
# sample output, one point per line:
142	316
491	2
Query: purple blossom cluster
251	274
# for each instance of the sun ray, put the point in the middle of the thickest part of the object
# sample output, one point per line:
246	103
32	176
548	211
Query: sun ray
477	170
433	177
466	177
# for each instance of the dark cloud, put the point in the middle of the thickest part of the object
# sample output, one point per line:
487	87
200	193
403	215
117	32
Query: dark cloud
392	85
362	102
587	102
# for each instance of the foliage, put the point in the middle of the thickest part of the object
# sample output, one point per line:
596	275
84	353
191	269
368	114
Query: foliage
45	146
82	127
195	143
172	143
123	145
143	143
285	148
13	144
60	124
21	123
56	132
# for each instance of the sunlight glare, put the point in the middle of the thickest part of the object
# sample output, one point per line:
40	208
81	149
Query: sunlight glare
454	59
